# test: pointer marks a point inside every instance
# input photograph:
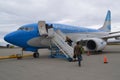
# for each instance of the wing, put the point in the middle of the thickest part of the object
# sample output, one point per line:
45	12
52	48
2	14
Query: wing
92	42
111	35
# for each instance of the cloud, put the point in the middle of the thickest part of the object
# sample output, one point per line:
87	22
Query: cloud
65	21
83	12
14	13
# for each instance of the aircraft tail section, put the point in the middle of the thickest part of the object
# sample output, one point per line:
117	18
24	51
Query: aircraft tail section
107	24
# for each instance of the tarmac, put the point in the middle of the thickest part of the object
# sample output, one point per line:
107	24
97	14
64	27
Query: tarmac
46	68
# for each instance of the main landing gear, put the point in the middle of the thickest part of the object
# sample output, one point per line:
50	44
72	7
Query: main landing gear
36	55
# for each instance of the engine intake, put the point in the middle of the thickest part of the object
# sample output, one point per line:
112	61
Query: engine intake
91	45
95	44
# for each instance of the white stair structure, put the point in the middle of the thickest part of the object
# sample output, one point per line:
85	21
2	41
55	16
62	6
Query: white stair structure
56	37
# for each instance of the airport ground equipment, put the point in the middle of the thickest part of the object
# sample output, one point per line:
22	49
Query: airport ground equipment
105	60
14	56
58	38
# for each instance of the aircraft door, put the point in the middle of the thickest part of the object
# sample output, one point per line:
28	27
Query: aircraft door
42	28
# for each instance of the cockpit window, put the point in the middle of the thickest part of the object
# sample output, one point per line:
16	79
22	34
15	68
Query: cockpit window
26	28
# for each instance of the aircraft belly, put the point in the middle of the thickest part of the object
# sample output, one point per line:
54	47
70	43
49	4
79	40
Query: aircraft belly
39	42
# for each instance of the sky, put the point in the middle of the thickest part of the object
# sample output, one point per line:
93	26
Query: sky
87	13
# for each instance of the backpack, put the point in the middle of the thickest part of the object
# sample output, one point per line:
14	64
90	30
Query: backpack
82	50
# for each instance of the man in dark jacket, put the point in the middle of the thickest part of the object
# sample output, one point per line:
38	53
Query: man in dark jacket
78	50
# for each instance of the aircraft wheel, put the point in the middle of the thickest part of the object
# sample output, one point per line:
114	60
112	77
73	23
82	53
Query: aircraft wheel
36	55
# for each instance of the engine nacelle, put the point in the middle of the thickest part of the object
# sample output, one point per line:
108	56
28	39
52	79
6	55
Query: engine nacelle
95	44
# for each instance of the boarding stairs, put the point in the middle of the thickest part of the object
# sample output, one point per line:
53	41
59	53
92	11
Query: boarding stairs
57	38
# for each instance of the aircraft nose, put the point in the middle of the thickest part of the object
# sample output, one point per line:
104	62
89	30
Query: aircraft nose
8	38
16	38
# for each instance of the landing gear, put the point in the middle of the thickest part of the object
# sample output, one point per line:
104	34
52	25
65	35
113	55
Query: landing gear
36	55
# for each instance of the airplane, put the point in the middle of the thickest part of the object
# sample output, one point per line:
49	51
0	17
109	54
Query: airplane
114	41
30	37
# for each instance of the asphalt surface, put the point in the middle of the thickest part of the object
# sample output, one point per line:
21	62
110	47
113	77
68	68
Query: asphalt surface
46	68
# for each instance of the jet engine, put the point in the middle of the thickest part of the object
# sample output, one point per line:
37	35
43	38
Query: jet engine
95	44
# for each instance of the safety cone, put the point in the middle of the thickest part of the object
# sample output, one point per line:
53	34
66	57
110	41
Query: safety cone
105	60
88	53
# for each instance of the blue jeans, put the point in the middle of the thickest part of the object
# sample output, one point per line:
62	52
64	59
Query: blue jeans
79	57
79	60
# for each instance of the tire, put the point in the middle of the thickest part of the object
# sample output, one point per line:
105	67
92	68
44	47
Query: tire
36	55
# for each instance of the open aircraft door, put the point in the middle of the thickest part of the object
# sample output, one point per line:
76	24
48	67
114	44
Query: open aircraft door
42	28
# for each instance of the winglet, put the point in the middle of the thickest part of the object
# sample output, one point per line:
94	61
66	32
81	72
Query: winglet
107	24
